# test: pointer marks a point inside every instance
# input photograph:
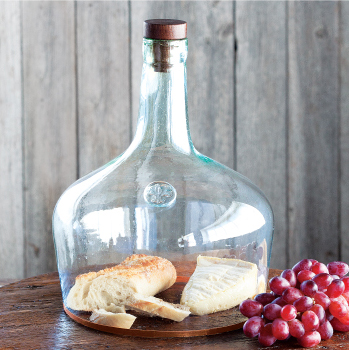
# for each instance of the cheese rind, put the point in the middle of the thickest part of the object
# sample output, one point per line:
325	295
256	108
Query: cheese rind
219	284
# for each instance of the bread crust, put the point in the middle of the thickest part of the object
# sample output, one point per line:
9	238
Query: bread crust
133	266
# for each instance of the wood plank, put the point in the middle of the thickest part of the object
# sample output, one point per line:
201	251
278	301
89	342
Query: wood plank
49	122
344	129
11	167
261	108
313	130
210	69
103	82
4	282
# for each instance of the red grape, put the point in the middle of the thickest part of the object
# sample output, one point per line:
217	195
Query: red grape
288	312
325	330
335	289
338	268
250	308
313	262
304	264
290	276
253	326
323	280
296	328
309	288
279	301
342	299
346	283
320	313
319	268
322	299
338	308
309	339
345	295
338	325
291	294
305	275
303	304
345	319
329	316
278	284
308	302
266	336
265	298
280	329
272	311
310	321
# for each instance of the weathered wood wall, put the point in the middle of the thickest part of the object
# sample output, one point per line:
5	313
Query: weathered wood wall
268	86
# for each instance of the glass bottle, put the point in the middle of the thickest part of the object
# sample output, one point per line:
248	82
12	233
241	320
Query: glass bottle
161	196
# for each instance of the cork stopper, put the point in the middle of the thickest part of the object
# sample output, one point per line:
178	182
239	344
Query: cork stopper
165	29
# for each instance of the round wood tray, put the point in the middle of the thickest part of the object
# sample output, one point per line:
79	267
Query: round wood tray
156	327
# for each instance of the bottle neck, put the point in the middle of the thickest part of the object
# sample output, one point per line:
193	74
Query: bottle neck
163	115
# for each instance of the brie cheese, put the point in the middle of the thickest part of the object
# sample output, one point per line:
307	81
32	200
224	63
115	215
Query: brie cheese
219	284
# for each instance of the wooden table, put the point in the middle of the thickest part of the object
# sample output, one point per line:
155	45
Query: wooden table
5	281
32	317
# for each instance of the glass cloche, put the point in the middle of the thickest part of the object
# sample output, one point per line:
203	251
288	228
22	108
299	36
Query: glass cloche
161	196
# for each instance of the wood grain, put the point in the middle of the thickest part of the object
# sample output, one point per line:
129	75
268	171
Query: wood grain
33	309
210	84
11	158
75	104
313	131
344	130
261	108
49	123
103	82
4	281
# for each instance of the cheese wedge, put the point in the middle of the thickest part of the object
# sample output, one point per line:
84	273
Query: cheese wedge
219	284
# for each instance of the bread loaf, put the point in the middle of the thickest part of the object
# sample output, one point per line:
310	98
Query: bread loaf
152	306
143	274
120	320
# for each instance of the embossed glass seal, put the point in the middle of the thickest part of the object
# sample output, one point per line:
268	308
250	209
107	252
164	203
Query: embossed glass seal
160	194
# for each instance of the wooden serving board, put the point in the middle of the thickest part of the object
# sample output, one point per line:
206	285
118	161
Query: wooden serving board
156	327
32	317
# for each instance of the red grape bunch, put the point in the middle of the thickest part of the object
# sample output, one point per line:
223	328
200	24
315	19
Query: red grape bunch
307	302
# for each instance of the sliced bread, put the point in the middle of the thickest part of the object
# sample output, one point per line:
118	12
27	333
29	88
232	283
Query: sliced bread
106	318
143	274
152	306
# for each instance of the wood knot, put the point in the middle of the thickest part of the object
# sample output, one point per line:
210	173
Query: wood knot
321	32
35	248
